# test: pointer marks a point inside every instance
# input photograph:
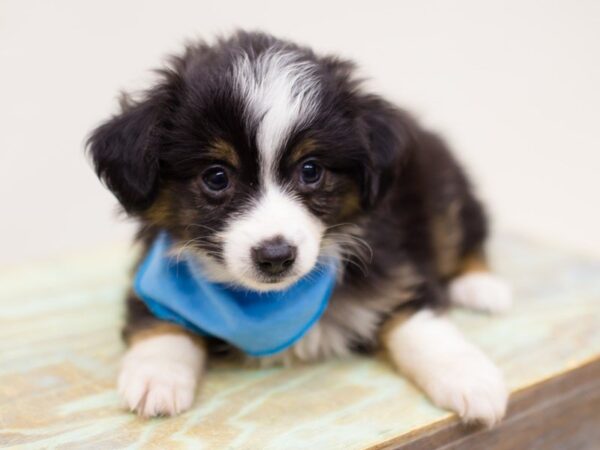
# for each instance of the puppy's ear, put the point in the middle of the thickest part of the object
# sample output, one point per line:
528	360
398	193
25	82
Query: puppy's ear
124	151
389	139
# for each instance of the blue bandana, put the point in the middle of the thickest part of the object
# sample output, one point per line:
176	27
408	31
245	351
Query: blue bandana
259	323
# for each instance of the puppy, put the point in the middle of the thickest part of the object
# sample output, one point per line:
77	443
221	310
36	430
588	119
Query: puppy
257	163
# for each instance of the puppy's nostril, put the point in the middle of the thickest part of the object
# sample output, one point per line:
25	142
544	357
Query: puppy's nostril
288	262
274	256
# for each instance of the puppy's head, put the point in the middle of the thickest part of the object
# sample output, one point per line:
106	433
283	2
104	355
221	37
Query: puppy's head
255	154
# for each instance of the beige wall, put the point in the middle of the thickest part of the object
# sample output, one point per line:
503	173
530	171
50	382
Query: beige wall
514	85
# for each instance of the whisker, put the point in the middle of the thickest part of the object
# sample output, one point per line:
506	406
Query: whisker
197	225
338	225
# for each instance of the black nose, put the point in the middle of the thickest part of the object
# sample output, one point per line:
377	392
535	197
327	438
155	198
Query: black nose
274	256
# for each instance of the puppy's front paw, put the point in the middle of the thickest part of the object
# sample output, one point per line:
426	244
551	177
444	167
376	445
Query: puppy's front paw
454	373
156	387
482	291
159	375
476	392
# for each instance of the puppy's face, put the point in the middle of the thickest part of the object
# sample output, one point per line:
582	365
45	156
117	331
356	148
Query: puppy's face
255	155
255	219
261	227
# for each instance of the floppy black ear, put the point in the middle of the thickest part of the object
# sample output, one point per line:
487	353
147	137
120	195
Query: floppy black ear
125	153
389	139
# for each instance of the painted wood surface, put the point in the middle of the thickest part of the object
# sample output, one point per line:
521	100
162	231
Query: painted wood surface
60	349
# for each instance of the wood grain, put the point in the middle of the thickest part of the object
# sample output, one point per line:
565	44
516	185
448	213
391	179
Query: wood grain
60	350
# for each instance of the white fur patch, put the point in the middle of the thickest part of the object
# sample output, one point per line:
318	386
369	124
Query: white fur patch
280	92
159	375
275	214
482	291
454	373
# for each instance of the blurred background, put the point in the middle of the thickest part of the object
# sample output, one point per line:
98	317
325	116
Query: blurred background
513	85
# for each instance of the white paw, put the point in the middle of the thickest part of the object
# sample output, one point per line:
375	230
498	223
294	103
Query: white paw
476	392
482	291
159	375
453	372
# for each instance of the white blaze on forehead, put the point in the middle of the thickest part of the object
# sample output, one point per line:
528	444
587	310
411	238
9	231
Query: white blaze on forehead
280	92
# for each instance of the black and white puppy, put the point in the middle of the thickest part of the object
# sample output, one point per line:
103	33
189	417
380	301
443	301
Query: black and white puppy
255	141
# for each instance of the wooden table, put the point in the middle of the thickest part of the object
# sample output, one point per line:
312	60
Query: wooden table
60	348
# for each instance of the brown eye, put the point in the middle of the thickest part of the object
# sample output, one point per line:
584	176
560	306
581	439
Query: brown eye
310	172
216	178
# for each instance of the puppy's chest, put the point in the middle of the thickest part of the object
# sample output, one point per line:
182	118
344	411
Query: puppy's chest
352	319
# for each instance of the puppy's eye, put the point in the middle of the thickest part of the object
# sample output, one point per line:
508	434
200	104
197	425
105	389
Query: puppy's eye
310	172
216	178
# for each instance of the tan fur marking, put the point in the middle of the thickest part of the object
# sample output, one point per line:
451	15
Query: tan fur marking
158	213
447	238
303	149
224	151
350	203
474	262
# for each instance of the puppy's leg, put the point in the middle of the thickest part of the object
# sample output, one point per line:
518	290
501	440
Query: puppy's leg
476	287
454	373
160	370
